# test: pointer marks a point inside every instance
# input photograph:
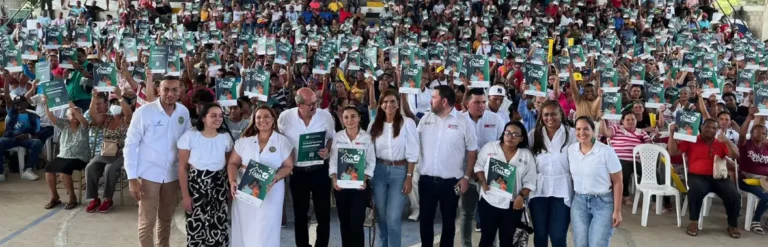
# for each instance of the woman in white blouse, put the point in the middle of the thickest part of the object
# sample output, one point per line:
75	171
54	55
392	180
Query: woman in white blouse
348	178
397	151
203	180
501	204
260	142
551	201
597	181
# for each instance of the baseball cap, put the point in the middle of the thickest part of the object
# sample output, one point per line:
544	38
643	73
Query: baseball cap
497	91
19	99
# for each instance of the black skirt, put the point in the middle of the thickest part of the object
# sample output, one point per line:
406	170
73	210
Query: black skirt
66	166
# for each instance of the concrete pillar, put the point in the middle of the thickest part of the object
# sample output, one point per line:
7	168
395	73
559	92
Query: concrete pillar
763	33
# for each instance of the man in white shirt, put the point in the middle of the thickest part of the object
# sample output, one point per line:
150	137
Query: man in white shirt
419	102
309	178
498	102
447	142
488	127
151	160
440	80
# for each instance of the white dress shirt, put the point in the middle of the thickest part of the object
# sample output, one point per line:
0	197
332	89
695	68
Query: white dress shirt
730	134
592	171
488	128
503	110
395	148
361	141
444	143
554	177
525	173
150	150
419	103
292	126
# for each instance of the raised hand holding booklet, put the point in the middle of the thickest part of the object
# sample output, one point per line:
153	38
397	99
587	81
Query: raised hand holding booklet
501	178
350	168
158	59
257	84
253	187
745	80
13	61
761	99
53	38
611	105
535	76
56	92
226	91
480	75
410	78
609	80
655	95
687	123
105	77
309	145
43	71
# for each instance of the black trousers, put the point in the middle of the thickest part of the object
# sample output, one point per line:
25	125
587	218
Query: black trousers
351	204
314	182
503	221
434	190
701	185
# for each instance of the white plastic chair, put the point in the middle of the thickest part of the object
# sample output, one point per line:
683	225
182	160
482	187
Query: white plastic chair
706	204
648	185
752	202
21	154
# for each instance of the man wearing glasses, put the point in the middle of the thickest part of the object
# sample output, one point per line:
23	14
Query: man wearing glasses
310	175
151	161
488	126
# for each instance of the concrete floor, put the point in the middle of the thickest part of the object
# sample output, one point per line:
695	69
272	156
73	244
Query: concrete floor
24	222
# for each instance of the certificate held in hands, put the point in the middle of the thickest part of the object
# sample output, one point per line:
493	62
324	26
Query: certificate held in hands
350	172
309	145
253	185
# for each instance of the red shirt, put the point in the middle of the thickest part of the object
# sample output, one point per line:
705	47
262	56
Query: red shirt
343	15
552	11
616	3
701	157
58	72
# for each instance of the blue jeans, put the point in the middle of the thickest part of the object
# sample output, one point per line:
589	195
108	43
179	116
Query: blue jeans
388	196
762	205
551	218
592	220
33	146
45	133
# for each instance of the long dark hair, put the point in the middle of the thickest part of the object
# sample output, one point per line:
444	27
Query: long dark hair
538	132
200	125
523	143
251	129
378	122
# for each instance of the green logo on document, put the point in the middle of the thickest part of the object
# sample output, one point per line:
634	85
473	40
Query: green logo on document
181	120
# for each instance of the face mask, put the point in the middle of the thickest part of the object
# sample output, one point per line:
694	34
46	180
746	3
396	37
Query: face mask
115	110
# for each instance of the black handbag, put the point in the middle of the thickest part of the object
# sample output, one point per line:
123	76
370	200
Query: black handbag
522	232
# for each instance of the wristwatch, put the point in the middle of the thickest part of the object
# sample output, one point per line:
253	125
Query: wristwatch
466	177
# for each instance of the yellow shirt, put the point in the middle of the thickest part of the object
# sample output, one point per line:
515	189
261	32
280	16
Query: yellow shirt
335	6
204	15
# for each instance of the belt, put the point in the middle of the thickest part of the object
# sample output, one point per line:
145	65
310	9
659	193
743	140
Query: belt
392	163
307	168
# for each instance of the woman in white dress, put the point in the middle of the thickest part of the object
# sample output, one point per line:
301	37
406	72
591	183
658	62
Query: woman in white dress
260	141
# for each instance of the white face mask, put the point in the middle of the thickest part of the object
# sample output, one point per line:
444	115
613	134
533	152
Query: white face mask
115	110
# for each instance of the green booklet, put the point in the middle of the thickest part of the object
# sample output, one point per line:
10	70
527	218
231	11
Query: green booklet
13	61
480	75
671	95
158	59
406	56
498	52
309	145
322	63
745	80
138	72
369	62
708	80
67	56
420	57
410	79
609	80
535	76
179	48
501	177
254	183
453	63
56	92
350	172
354	60
213	60
54	38
271	46
637	73
43	71
105	77
284	51
577	56
226	91
655	95
131	50
29	48
394	55
256	84
436	54
611	105
83	36
564	65
689	62
687	123
300	52
761	99
174	64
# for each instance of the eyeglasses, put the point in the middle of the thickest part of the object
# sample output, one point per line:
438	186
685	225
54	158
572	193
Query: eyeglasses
513	135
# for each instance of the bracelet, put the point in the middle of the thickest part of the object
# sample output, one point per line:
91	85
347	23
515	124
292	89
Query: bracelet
409	175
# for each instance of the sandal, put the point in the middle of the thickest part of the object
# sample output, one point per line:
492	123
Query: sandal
693	229
734	232
628	200
757	228
70	205
52	204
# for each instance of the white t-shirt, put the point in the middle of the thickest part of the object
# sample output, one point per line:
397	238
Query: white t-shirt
277	15
206	153
591	172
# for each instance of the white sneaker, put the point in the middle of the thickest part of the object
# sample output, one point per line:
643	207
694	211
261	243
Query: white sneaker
28	174
414	215
2	177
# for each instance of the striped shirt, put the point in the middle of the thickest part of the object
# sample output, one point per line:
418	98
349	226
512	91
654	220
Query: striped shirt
623	141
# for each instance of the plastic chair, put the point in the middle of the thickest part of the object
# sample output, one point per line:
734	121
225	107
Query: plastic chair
752	202
648	185
706	205
21	154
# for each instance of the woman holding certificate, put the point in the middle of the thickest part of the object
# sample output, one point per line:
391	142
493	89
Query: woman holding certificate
396	143
507	172
352	163
259	225
202	156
